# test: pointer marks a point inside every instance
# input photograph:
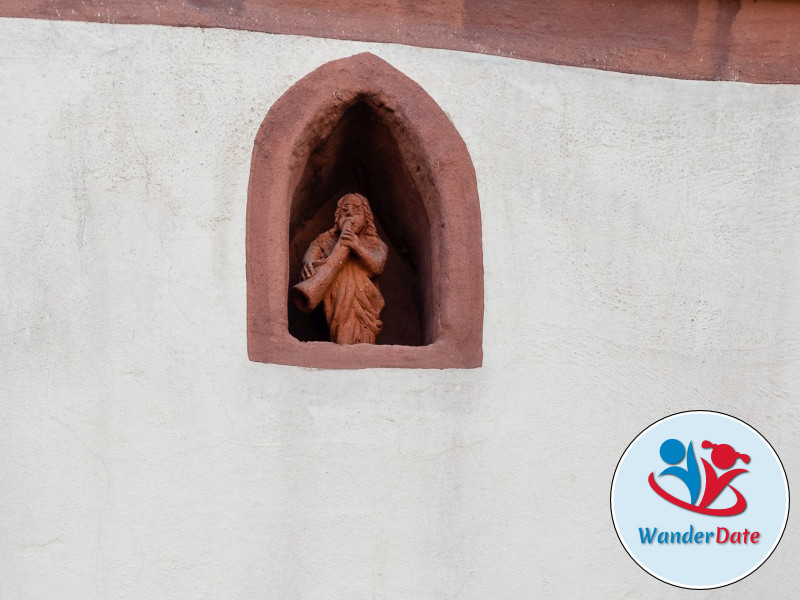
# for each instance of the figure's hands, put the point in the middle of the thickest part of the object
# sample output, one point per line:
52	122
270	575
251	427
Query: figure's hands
308	270
350	239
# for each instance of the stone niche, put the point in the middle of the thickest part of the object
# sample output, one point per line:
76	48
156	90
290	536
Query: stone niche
359	125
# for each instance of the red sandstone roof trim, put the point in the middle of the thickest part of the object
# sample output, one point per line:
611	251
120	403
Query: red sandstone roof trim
755	41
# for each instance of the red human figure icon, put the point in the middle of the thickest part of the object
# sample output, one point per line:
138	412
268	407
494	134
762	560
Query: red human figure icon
724	457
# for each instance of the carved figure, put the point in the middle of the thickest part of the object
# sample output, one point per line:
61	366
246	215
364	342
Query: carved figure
338	270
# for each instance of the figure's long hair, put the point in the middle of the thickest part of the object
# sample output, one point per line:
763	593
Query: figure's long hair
369	226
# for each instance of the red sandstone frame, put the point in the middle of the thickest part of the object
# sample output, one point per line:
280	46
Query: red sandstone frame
446	180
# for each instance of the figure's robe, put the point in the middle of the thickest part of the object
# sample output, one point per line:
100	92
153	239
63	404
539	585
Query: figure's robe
353	303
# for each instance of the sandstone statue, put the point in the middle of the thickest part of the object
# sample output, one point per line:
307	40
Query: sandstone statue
338	270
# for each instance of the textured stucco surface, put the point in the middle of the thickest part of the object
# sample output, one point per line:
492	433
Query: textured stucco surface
641	250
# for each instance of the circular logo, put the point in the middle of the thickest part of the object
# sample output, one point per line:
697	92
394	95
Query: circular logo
699	499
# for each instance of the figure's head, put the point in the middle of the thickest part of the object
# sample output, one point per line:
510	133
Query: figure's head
724	456
354	208
672	451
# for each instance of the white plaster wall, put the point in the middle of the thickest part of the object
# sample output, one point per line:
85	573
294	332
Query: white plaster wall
642	256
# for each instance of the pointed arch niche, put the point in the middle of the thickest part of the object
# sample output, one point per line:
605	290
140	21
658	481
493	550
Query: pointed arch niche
359	125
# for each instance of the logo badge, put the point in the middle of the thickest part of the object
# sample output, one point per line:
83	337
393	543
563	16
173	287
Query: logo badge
699	499
723	456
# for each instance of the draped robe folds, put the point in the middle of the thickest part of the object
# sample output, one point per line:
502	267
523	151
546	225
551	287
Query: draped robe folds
353	303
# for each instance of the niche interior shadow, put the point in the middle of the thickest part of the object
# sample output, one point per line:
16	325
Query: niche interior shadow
361	155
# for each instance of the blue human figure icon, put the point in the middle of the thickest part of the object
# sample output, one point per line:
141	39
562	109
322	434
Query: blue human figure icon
672	452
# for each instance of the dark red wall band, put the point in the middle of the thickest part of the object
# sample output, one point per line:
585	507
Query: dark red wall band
756	41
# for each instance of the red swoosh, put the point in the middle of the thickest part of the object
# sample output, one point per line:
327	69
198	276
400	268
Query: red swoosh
737	508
